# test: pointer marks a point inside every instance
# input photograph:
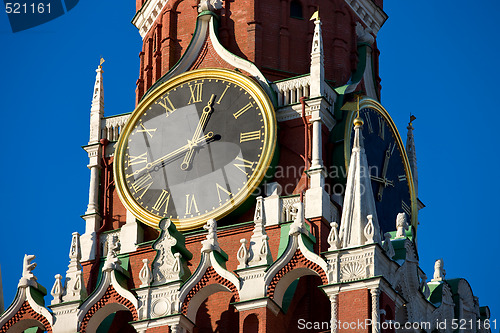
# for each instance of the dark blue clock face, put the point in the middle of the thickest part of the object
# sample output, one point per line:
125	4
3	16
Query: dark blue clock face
387	169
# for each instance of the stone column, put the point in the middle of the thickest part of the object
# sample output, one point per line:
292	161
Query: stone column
334	299
375	292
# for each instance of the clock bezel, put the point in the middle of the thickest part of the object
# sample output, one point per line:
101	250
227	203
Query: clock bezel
269	147
367	102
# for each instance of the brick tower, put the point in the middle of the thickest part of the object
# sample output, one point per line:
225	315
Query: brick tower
259	186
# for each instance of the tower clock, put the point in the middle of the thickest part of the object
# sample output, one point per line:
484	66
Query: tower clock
195	148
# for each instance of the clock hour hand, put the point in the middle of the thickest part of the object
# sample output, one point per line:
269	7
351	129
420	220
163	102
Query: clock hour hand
205	116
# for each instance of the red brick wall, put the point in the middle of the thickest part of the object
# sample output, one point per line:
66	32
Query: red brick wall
354	306
260	31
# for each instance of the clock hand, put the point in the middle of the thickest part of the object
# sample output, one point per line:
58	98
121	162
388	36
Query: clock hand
384	181
388	154
175	154
205	116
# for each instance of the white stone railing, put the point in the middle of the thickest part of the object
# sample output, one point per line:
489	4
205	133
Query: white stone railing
290	91
288	211
111	126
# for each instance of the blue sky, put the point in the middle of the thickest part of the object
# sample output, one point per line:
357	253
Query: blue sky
438	61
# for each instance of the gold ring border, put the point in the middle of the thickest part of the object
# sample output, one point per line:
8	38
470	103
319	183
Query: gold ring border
367	102
270	128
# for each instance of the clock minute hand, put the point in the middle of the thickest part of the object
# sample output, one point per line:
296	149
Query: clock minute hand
205	116
388	154
175	154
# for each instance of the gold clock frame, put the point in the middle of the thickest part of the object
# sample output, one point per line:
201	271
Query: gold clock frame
367	102
269	147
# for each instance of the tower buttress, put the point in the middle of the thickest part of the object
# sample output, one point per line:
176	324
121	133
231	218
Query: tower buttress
93	149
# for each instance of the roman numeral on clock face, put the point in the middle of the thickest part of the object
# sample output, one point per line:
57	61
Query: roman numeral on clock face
142	184
162	201
381	128
250	136
191	206
402	178
406	208
221	188
196	93
369	123
149	132
166	103
223	93
133	160
243	110
243	166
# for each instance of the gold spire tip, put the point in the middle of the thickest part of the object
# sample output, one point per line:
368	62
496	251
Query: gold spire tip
315	16
101	62
412	118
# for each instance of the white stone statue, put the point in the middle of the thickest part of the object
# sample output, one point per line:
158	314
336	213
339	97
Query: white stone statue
28	278
439	272
211	243
401	225
211	5
364	34
389	249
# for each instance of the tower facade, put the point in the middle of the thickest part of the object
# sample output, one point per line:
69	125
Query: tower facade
258	186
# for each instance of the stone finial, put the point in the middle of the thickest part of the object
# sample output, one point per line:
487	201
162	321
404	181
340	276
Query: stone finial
388	248
298	223
145	274
57	290
210	5
242	254
364	34
333	237
401	225
74	289
424	287
259	252
28	278
112	260
317	68
211	243
369	231
97	108
439	272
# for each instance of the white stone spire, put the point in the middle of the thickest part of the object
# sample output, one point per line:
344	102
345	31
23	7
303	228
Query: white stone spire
412	154
317	60
97	108
359	205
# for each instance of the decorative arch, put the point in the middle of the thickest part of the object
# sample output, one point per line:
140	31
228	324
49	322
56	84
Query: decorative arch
297	267
210	283
109	303
109	297
26	318
27	310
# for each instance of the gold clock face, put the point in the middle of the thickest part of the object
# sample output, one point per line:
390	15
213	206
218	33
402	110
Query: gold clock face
196	148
